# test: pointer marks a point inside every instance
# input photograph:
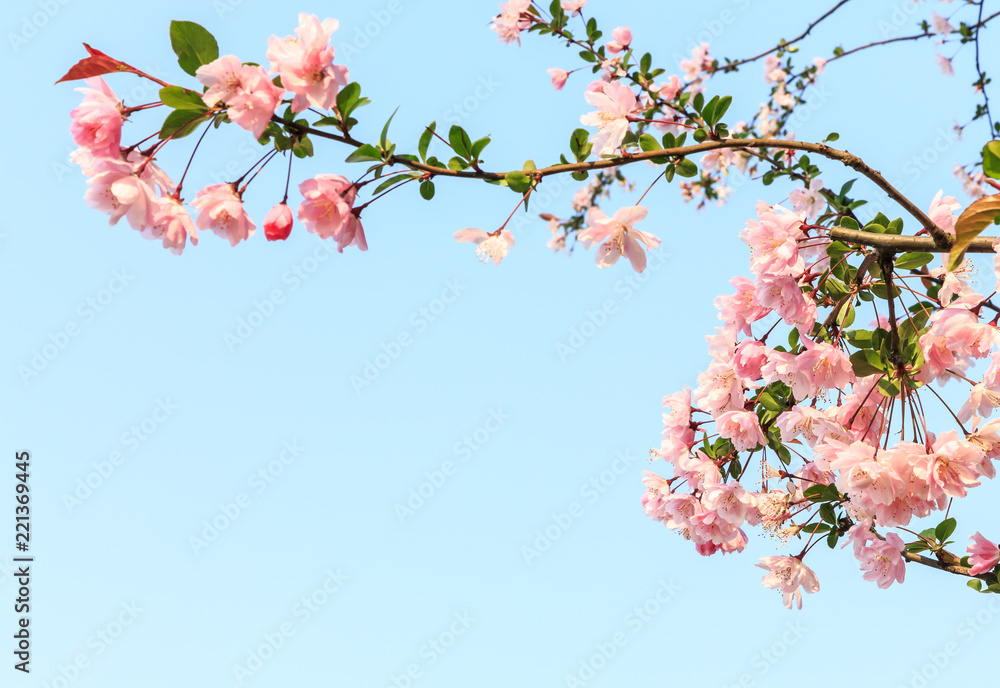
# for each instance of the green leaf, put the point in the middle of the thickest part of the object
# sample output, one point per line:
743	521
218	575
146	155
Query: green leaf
427	189
945	529
687	168
816	528
518	181
889	388
392	181
425	140
861	365
478	147
815	493
180	123
383	140
912	261
181	99
579	144
193	44
460	141
769	402
991	159
365	153
831	539
975	584
831	137
347	97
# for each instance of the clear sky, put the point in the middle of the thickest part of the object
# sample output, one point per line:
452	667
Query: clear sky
146	424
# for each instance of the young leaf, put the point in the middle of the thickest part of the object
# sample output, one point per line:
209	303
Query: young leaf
181	99
427	189
460	141
977	217
193	44
382	141
425	140
180	123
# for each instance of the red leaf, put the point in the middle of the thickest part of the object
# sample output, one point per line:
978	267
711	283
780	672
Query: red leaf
98	63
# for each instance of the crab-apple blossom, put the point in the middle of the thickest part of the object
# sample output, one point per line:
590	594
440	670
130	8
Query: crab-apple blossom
222	212
558	78
572	6
789	576
882	561
171	223
305	63
618	236
984	555
614	102
488	244
808	201
328	210
97	121
278	223
246	90
621	39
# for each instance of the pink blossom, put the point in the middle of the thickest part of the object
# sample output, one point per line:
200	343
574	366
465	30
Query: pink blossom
97	121
669	89
171	223
983	555
222	211
782	293
619	236
784	367
942	212
826	366
488	245
509	24
773	73
741	428
810	423
305	63
558	78
808	202
622	37
720	389
882	561
328	210
940	25
944	64
742	308
772	239
820	65
278	223
951	469
573	6
788	574
614	102
250	96
117	190
700	61
749	359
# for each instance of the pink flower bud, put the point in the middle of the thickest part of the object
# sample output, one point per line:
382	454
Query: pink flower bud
278	223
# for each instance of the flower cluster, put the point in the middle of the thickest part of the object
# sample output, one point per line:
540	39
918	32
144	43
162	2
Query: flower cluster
126	182
839	416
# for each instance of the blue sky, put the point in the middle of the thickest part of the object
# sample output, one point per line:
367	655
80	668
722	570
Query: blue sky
395	533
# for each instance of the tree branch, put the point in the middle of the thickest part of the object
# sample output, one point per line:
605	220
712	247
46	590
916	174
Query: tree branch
895	242
731	66
957	569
